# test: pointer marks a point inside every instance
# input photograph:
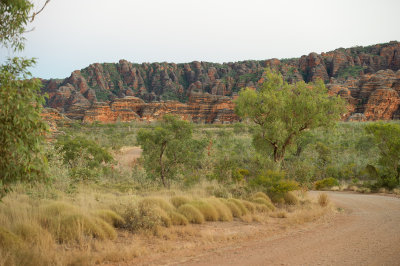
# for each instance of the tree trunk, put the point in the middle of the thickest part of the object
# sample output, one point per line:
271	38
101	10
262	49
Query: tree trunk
162	174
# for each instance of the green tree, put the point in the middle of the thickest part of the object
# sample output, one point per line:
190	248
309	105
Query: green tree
21	128
282	112
169	149
387	137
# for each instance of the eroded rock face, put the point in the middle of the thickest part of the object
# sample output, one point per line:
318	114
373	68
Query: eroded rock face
201	108
367	77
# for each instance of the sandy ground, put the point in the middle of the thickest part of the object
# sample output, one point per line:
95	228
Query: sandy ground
366	233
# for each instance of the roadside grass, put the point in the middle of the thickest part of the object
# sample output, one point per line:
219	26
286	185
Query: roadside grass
92	226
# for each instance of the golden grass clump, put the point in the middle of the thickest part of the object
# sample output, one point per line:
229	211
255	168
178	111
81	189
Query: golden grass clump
110	217
192	214
265	202
224	213
240	205
290	198
208	211
163	204
67	224
261	195
9	240
33	234
235	210
178	219
250	206
323	199
178	201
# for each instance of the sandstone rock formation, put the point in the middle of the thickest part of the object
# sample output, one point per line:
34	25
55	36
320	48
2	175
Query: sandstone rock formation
367	77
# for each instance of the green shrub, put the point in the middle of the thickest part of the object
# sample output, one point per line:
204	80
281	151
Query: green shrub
274	183
326	183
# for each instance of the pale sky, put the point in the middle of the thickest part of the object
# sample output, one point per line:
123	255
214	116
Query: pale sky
71	34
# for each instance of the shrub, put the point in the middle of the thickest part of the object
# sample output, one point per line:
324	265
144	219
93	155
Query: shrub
208	211
290	198
326	183
145	216
178	201
274	183
192	214
323	199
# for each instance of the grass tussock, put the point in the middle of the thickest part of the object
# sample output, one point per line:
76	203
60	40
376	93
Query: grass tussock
290	198
261	195
208	210
178	219
263	201
192	214
224	213
110	217
240	205
235	210
178	201
323	200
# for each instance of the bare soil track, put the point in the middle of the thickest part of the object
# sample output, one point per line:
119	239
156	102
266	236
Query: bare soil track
366	232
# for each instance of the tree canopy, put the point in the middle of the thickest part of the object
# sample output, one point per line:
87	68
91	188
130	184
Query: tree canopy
21	127
387	137
169	149
282	112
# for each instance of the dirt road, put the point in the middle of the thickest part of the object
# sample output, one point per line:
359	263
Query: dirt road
366	233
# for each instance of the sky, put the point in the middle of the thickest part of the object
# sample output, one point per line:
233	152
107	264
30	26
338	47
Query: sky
72	34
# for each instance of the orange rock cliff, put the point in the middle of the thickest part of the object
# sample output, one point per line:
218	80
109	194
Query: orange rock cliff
367	77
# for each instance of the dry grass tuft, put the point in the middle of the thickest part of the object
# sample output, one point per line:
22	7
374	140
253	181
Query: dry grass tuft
192	214
110	217
163	204
240	205
178	219
279	214
290	198
178	201
250	206
265	202
261	195
323	200
224	213
208	211
235	210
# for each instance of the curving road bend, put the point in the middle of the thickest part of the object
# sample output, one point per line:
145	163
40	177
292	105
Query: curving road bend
366	233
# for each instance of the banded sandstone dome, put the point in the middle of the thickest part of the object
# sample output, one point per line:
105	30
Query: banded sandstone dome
368	77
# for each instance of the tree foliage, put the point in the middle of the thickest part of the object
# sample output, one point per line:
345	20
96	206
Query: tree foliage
387	137
21	128
169	149
282	112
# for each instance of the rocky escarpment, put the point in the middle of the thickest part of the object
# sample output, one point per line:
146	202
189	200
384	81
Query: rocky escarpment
201	108
365	76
